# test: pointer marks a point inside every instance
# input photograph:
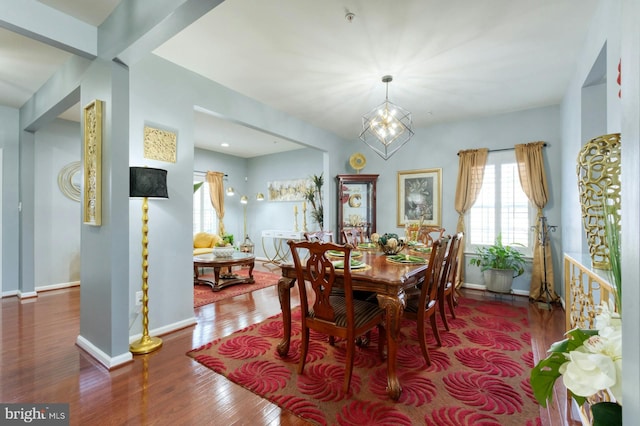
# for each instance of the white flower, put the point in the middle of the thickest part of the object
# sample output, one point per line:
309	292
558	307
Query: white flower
607	319
588	373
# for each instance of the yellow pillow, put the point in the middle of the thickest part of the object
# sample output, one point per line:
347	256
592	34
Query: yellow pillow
215	240
203	239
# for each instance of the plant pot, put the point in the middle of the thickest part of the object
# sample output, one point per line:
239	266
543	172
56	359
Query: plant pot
498	280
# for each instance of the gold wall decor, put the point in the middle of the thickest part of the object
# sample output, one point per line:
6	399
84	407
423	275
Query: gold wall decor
159	144
92	199
598	172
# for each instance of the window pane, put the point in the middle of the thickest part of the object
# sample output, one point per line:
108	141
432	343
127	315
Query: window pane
515	207
501	207
204	215
482	219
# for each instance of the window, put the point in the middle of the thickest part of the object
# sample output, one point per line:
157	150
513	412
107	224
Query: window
204	215
502	207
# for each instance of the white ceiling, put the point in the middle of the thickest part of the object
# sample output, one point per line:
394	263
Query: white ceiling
450	59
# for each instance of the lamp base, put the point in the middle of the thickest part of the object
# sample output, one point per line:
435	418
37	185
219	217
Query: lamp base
145	345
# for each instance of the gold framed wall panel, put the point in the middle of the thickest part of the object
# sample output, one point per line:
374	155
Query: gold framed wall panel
159	144
92	196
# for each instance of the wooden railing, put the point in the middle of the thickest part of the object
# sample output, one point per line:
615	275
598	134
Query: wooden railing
584	289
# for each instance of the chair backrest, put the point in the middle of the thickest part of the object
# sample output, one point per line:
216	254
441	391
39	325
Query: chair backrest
323	236
429	291
354	236
320	272
428	234
453	272
449	270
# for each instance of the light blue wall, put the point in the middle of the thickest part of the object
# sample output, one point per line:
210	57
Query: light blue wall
9	125
437	147
57	217
582	120
157	101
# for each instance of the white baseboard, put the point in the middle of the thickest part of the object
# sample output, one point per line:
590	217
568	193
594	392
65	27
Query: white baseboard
483	287
32	294
112	362
166	329
27	294
108	361
58	286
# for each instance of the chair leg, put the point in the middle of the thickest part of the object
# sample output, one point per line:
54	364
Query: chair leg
423	342
443	315
382	340
434	327
304	347
348	369
452	303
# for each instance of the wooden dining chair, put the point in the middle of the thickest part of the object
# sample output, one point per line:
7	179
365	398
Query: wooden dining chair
428	234
335	315
446	289
324	236
424	306
354	236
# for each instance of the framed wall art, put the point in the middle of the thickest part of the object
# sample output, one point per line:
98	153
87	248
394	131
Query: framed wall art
420	197
288	190
92	196
160	144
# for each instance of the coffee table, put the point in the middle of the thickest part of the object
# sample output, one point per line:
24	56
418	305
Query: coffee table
217	263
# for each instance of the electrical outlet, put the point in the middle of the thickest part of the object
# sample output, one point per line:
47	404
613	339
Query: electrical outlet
138	298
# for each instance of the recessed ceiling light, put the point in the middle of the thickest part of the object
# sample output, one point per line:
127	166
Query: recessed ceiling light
226	145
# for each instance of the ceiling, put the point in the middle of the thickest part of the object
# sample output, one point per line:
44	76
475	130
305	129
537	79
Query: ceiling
450	60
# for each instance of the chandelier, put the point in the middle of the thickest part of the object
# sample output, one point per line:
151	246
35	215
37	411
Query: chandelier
387	127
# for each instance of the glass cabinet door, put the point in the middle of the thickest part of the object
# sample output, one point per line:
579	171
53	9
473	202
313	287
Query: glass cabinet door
356	203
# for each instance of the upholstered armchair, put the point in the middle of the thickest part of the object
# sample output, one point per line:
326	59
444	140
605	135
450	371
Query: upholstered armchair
204	242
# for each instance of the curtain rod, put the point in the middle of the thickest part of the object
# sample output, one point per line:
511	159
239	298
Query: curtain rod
200	171
503	149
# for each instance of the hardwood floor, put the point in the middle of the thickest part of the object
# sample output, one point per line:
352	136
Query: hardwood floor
41	363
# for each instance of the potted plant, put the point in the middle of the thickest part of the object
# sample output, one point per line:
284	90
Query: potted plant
500	264
314	196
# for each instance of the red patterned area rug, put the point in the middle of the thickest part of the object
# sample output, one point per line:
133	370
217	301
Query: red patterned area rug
480	376
203	295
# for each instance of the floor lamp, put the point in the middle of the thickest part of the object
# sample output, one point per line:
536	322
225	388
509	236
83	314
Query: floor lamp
146	182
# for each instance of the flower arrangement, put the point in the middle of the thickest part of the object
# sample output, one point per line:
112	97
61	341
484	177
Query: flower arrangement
590	363
389	243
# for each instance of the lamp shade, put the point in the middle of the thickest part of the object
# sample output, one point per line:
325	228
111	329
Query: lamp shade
147	182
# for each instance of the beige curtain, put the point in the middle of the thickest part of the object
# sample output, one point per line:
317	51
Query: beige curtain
216	193
534	184
470	175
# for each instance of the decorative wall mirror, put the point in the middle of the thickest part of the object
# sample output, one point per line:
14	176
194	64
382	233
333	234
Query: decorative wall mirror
356	203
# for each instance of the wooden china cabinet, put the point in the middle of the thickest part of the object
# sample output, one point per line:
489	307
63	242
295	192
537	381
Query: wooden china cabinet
356	203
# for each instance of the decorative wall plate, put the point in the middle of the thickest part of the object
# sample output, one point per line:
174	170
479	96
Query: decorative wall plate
357	161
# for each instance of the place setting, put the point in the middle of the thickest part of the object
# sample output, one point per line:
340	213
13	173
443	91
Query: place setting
406	259
355	264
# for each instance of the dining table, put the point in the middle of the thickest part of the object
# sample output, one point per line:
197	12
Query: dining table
386	276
